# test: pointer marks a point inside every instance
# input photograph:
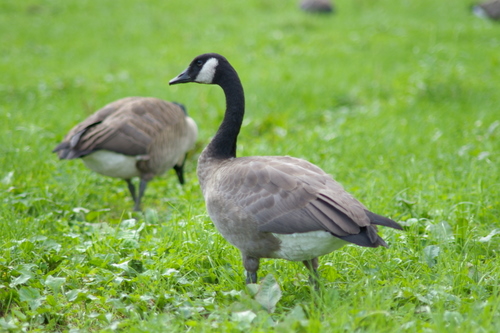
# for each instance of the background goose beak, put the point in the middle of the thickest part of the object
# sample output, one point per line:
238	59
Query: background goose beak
181	78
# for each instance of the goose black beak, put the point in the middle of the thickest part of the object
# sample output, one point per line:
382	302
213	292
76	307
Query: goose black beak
181	78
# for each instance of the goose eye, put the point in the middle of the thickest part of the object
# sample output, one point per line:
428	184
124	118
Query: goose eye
199	63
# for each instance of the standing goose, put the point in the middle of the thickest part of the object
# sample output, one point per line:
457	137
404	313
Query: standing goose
317	6
272	206
132	137
488	9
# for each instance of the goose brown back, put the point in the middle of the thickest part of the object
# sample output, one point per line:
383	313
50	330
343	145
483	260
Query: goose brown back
133	137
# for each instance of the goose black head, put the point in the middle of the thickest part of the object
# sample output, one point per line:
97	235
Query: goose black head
202	69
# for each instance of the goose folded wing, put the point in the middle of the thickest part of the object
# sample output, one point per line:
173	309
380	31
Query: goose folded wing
128	126
120	136
123	139
80	140
288	198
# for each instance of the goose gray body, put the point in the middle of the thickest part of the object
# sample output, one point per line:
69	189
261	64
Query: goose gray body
317	6
272	206
489	9
132	137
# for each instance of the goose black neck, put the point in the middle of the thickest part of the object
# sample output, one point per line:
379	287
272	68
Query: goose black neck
223	145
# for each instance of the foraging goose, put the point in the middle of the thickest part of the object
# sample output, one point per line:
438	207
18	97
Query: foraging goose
317	6
132	137
272	206
489	9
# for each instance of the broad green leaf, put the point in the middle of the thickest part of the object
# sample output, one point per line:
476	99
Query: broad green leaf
253	289
8	325
127	224
243	318
123	265
52	245
73	294
7	179
54	283
431	252
31	296
294	321
269	293
80	210
488	238
21	279
297	313
441	231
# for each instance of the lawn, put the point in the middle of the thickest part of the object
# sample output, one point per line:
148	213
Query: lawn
398	100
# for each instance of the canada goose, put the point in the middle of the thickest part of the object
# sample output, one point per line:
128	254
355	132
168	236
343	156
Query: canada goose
489	9
272	206
132	137
317	6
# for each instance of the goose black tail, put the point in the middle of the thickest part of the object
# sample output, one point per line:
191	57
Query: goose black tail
382	220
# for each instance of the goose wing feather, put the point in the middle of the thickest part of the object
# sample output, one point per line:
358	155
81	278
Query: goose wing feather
127	126
289	195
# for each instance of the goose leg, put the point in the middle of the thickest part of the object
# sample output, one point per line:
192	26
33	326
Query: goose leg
251	266
142	188
179	170
131	188
251	277
312	266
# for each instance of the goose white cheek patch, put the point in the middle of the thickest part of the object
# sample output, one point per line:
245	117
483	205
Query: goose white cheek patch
207	72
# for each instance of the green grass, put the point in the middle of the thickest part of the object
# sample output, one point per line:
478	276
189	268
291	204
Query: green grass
398	100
